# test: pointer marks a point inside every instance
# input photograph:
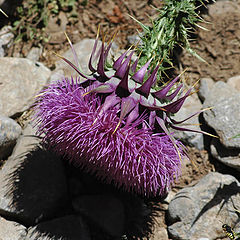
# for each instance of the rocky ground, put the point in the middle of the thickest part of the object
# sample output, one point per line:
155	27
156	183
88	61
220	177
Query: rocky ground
43	198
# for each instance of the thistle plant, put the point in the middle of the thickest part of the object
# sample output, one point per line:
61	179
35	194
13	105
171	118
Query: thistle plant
173	26
114	123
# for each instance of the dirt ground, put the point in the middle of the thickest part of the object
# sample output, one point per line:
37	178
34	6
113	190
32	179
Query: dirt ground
220	47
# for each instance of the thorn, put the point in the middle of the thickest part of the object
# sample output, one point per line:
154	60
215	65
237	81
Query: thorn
67	38
3	13
116	127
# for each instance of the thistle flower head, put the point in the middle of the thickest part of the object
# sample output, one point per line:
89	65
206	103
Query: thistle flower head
114	124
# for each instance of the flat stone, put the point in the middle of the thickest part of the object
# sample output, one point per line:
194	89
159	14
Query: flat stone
21	79
190	106
199	211
224	117
228	156
234	82
11	230
69	227
32	183
9	133
104	210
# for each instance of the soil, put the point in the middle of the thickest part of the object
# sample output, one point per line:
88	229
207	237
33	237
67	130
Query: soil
220	47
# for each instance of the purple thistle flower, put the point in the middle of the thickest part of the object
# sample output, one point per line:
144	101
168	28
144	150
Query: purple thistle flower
131	157
114	124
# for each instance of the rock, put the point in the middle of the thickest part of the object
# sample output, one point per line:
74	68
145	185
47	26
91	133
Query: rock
56	27
199	211
56	75
220	7
21	79
9	133
83	50
105	211
191	105
6	38
34	54
69	227
32	183
11	230
205	86
228	156
224	117
234	82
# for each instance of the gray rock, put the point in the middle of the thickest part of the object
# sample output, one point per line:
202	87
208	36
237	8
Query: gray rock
69	227
199	211
205	86
21	79
6	38
224	117
35	53
56	75
234	82
32	183
228	156
104	210
9	133
11	230
191	105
